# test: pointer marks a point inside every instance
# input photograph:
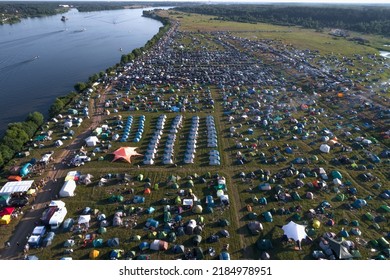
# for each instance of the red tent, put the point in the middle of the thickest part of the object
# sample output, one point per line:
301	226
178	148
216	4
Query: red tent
7	211
125	153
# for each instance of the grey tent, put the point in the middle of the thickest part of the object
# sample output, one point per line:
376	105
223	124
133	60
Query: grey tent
198	253
48	239
255	227
178	249
197	239
69	243
180	231
113	242
341	252
198	229
224	233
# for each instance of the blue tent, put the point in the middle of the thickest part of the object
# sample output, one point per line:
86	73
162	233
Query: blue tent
144	246
359	203
209	201
25	169
268	216
224	256
152	223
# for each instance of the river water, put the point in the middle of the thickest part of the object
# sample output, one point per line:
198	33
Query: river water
42	58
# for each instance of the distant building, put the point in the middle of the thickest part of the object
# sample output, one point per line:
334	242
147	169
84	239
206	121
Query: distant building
339	33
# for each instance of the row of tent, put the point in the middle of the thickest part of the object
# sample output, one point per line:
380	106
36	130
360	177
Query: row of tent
169	146
189	155
140	130
126	131
214	157
212	139
151	150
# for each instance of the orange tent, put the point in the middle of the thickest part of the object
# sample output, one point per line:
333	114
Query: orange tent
14	178
147	191
125	153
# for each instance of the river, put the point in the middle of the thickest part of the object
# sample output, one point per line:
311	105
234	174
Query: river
43	58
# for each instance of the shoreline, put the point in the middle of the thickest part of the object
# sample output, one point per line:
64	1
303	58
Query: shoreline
92	79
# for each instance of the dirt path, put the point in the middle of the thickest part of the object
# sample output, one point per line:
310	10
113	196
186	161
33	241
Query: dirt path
48	192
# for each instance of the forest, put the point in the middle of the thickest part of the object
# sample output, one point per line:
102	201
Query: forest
363	18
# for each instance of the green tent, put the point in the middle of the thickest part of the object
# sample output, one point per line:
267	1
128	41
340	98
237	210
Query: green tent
167	216
178	200
336	175
384	208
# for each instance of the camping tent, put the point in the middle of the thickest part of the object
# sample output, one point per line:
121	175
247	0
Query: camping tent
125	153
325	148
255	227
91	141
159	245
113	242
294	231
178	249
94	254
339	249
5	220
68	188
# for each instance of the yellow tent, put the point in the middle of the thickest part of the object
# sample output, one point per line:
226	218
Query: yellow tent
94	254
316	224
5	220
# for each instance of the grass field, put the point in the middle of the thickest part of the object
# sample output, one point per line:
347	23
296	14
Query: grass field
264	150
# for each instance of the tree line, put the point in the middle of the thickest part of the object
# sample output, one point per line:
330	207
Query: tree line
125	58
366	19
13	12
17	135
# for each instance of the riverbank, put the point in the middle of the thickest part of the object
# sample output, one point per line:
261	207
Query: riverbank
60	47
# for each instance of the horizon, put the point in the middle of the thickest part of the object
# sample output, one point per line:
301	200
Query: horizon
226	1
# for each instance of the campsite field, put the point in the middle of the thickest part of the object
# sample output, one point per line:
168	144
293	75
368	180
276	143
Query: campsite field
252	154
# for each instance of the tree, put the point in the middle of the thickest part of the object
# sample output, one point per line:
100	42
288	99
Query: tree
124	58
56	107
93	78
80	86
36	118
6	152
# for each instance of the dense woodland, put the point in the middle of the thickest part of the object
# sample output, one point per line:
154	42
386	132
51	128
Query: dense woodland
365	19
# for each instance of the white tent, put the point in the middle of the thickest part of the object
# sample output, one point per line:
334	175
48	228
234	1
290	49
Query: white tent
294	231
58	143
325	148
16	186
91	141
68	189
84	219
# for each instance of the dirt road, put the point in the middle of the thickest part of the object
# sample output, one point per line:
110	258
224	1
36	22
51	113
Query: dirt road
48	192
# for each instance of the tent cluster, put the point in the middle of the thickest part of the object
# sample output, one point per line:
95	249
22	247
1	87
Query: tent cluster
151	151
170	144
126	130
189	155
140	130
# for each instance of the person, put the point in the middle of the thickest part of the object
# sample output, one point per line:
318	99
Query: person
299	245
